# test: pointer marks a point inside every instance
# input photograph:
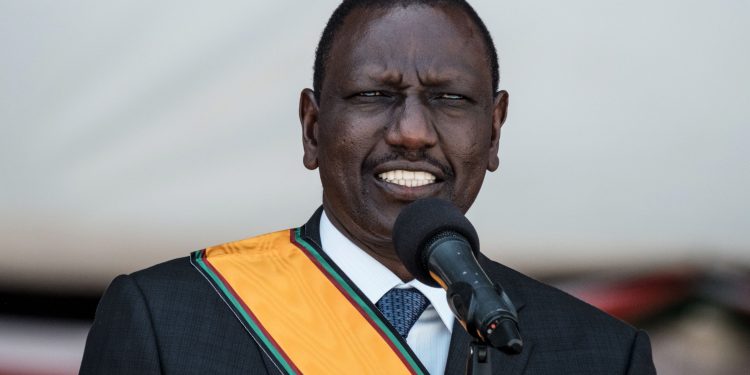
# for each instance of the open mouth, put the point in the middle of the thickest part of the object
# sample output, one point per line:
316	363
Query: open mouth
408	178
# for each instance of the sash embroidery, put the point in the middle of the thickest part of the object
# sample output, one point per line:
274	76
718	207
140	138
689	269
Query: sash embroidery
301	309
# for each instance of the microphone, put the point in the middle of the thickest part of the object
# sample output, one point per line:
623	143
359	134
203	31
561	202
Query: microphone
438	245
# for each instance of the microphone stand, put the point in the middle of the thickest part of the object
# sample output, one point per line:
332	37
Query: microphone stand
503	336
479	361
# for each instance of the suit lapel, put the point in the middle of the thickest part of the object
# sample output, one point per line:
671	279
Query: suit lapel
271	367
458	353
311	229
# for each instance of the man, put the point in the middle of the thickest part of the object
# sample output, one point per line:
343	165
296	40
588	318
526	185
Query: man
405	105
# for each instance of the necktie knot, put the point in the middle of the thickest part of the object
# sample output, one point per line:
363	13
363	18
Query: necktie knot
402	308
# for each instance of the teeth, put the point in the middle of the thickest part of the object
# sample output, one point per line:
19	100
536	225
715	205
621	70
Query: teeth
408	178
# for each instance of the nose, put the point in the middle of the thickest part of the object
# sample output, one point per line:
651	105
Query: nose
412	129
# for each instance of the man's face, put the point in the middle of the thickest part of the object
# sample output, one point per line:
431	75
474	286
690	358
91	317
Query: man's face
406	112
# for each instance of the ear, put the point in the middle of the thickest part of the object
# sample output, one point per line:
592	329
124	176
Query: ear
308	118
499	113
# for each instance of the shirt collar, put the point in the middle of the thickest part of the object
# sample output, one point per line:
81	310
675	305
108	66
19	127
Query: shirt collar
370	276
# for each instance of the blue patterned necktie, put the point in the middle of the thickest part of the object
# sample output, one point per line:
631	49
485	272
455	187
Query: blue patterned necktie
402	308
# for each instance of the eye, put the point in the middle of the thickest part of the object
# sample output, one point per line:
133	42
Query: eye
448	96
370	94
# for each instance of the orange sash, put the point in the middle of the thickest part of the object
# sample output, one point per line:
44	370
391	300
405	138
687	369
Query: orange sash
301	309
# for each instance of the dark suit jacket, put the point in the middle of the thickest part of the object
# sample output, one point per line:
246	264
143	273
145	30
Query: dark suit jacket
168	319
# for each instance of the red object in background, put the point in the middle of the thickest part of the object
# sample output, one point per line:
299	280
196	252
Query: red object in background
636	298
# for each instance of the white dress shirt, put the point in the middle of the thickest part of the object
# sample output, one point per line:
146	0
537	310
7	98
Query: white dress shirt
430	336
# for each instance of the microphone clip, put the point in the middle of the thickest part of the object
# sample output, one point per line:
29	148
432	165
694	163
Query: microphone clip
497	328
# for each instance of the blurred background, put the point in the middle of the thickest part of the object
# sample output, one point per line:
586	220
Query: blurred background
133	132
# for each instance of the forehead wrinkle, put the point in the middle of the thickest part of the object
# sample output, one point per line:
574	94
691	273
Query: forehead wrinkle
376	73
429	68
417	68
410	60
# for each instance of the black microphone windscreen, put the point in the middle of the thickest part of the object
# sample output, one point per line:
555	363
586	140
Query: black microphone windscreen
419	222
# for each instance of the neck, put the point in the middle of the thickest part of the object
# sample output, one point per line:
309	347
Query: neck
384	254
